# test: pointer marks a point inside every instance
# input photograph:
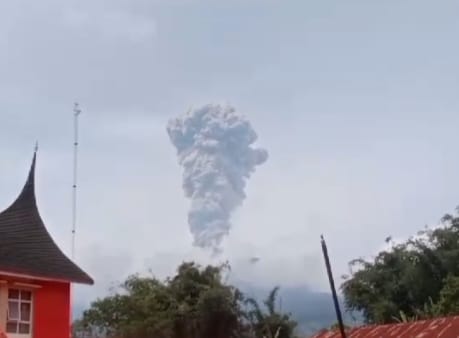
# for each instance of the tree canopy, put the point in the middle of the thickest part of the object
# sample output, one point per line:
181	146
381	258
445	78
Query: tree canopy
195	303
416	279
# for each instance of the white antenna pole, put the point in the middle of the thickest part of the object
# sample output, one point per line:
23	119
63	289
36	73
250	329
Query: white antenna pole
76	113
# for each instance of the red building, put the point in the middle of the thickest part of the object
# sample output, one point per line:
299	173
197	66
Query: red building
35	275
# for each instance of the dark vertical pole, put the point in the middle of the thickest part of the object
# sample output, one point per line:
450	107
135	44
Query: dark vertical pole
333	289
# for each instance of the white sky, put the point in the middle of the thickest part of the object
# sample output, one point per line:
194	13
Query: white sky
356	102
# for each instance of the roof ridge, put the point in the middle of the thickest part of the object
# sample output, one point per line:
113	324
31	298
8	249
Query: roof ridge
26	244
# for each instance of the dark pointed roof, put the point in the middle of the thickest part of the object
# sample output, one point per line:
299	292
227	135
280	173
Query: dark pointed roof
26	247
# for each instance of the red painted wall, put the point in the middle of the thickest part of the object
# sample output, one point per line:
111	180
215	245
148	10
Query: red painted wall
52	310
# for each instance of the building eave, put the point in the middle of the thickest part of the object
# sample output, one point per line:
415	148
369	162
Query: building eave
40	278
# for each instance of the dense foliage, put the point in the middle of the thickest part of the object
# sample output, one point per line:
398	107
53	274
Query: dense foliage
413	280
195	303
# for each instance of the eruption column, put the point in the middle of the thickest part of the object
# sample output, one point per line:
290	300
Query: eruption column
214	147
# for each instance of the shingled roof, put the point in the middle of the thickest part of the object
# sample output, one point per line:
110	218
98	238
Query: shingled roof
27	248
434	328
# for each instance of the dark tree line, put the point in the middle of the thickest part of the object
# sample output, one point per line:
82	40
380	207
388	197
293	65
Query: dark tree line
195	303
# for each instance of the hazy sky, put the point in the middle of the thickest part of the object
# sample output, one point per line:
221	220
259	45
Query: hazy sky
356	101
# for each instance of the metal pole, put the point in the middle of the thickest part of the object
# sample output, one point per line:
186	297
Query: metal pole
333	289
76	113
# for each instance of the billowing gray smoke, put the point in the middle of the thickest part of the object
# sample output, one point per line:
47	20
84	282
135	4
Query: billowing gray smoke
214	147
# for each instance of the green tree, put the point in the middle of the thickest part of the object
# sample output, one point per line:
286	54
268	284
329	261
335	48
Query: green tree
195	303
269	323
448	304
409	281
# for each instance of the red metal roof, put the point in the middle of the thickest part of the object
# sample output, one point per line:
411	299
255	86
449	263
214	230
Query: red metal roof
435	328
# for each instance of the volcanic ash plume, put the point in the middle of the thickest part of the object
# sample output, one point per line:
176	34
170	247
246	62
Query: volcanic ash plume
214	146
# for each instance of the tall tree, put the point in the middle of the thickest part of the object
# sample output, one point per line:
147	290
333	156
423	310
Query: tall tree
408	278
195	303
